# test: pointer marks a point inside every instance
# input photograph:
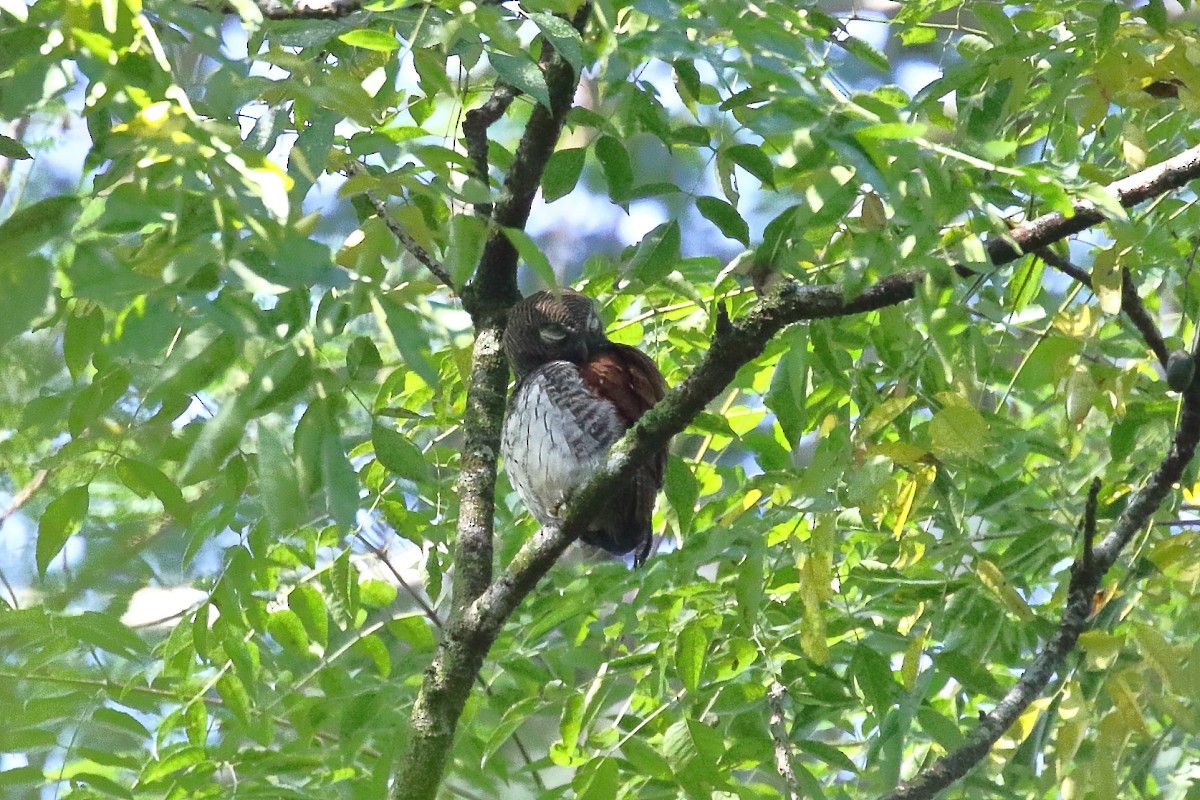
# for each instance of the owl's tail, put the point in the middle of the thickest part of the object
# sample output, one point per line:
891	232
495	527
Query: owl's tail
626	524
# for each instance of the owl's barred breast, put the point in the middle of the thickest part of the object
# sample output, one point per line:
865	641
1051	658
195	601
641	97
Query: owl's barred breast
555	434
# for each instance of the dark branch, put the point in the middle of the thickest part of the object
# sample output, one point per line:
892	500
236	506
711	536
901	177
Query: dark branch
494	287
306	9
472	632
475	130
1089	526
487	298
1085	580
1131	302
1139	187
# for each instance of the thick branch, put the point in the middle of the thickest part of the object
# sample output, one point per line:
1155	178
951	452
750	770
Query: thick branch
461	653
493	290
1137	188
1085	580
494	287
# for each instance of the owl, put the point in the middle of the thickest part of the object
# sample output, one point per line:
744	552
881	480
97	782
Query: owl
576	394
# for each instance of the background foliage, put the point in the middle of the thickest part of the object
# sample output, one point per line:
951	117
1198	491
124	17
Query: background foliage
231	400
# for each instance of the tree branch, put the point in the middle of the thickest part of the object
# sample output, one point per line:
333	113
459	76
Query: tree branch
487	298
474	627
1137	188
475	128
783	743
306	9
353	168
1085	579
494	287
1131	302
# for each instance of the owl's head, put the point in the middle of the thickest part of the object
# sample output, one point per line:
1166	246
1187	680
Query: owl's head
552	325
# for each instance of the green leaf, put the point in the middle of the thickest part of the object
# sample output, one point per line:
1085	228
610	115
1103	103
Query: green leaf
236	698
864	51
690	650
362	358
397	454
22	776
174	761
563	36
369	39
24	290
562	172
725	217
682	490
309	606
753	160
373	648
377	593
340	481
958	431
107	633
617	167
11	148
522	73
143	478
81	338
33	226
658	253
532	255
1155	14
279	483
599	780
468	235
61	519
286	628
404	328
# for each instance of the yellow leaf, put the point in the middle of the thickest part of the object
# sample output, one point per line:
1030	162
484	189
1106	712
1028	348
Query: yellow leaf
958	431
1076	322
1101	648
1125	702
991	577
899	452
882	414
1106	281
912	659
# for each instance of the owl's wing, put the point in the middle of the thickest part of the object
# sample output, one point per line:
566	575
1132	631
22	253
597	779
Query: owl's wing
627	378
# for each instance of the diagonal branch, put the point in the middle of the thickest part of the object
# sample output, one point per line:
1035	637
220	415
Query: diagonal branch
1131	302
353	168
1086	575
475	623
1037	233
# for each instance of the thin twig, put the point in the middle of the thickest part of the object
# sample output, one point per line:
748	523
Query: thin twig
22	495
430	613
353	168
